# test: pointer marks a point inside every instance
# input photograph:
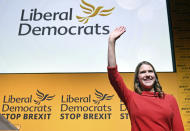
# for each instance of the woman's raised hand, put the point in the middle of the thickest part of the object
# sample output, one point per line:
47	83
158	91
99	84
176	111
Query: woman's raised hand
115	34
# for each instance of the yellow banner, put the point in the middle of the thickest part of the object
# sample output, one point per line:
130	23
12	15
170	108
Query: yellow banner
82	102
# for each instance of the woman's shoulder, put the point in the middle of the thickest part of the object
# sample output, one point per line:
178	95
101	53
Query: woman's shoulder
169	97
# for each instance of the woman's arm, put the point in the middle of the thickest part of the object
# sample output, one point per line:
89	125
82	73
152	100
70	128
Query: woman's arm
177	124
114	76
111	45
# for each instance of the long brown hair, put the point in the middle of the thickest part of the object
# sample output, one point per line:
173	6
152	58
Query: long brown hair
137	87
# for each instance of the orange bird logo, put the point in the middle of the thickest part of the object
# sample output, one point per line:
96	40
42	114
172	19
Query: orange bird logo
100	97
91	11
42	97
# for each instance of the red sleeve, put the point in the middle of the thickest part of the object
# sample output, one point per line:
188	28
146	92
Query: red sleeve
177	124
119	85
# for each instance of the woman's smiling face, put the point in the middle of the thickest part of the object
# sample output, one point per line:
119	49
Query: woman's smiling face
146	77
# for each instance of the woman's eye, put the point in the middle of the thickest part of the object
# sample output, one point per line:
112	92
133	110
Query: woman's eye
142	72
150	71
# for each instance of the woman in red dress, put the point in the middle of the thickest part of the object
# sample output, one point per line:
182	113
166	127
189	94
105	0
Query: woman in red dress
150	109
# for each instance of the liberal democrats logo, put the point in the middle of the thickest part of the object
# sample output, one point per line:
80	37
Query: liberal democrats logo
92	11
101	97
42	97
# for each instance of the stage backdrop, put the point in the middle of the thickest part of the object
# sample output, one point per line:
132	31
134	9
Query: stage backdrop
46	102
32	43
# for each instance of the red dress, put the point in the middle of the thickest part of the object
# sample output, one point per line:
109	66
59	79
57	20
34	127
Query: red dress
147	111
